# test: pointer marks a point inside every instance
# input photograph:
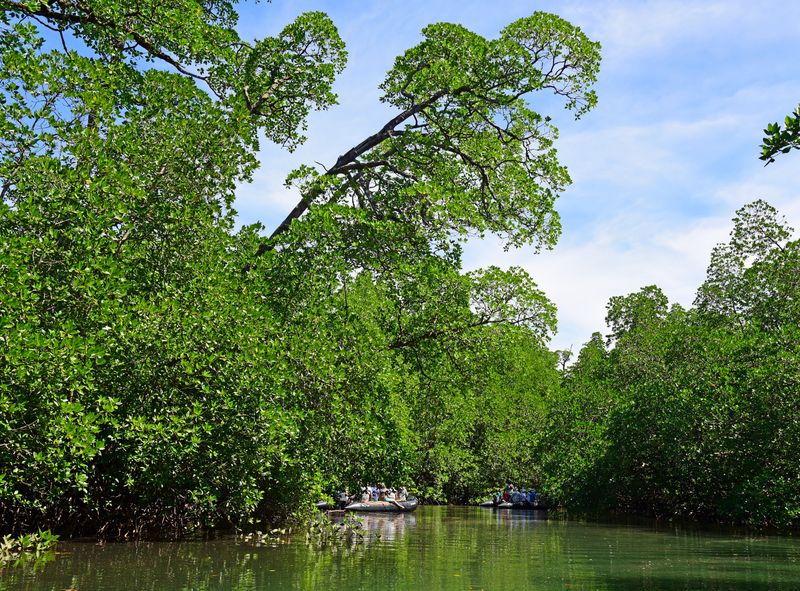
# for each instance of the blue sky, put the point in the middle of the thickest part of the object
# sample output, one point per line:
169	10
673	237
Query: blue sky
658	168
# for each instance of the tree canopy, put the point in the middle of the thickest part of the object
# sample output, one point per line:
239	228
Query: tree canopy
693	412
466	152
162	369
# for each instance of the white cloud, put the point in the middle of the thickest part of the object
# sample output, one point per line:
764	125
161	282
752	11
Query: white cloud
629	249
633	30
628	253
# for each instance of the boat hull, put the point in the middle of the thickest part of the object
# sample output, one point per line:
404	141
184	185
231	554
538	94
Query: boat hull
537	505
524	506
384	506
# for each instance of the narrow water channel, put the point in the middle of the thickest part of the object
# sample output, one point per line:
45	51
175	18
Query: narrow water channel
439	548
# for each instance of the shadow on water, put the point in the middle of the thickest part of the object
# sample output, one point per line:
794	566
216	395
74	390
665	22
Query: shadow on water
439	548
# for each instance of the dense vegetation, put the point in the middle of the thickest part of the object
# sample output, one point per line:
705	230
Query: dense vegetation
161	369
692	412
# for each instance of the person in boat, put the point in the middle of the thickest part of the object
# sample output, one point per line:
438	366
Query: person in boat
402	495
343	499
375	493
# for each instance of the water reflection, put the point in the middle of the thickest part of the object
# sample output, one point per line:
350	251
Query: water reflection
521	518
386	526
439	548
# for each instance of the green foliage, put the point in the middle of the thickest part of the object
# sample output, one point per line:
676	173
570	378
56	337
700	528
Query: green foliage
752	279
692	413
574	443
781	140
466	153
161	371
480	412
23	548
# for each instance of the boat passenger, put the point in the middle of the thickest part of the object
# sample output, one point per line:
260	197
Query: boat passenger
403	494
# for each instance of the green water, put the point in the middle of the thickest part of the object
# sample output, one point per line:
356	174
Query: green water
439	548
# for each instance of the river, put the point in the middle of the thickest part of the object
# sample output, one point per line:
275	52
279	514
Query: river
438	548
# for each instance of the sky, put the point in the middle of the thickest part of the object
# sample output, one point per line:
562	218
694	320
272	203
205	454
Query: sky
659	167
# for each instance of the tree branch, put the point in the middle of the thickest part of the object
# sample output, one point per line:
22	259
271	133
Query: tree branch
89	18
346	160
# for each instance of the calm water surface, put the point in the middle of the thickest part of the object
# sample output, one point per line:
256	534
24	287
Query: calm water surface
439	548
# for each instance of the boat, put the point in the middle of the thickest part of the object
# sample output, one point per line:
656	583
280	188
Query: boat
409	504
537	505
518	501
341	500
